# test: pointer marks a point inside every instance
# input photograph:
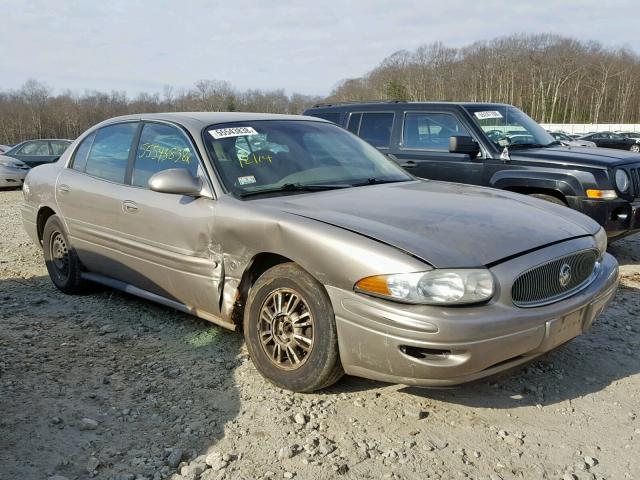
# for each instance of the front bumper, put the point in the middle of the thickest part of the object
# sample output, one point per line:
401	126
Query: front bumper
443	346
618	217
12	177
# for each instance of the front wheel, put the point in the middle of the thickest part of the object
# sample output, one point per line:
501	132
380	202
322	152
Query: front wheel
290	330
635	148
548	198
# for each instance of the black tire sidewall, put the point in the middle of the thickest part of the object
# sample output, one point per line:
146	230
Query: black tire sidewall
73	281
322	365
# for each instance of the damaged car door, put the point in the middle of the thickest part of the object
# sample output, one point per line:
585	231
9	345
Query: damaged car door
167	237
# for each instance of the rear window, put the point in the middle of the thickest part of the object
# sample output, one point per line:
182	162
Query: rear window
374	127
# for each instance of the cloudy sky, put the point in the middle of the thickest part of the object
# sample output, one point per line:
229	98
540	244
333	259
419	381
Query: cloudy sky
301	46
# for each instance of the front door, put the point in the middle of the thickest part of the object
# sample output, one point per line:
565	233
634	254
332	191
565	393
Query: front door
424	148
168	240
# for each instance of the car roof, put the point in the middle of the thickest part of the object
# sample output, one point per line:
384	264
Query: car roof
199	120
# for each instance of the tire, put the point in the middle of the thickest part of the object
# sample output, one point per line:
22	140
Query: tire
61	260
293	344
548	198
635	148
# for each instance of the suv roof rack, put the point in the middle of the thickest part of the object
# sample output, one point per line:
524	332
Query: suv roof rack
336	104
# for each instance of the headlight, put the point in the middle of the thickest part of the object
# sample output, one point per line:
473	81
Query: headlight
601	241
622	181
435	287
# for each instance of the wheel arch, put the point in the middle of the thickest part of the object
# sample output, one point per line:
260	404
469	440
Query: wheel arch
559	184
44	213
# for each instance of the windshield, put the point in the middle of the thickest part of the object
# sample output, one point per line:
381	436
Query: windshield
507	126
276	155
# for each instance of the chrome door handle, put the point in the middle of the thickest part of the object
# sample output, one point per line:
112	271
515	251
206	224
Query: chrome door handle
129	207
62	188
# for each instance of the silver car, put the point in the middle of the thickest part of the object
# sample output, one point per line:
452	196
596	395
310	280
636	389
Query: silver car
12	172
566	140
329	256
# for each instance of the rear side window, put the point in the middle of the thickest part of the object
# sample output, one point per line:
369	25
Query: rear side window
110	152
430	131
374	128
58	147
331	116
82	152
162	147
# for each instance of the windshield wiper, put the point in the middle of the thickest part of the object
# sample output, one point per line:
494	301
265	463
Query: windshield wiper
296	187
377	181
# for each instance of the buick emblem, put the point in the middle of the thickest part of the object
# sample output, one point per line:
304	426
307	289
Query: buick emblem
565	275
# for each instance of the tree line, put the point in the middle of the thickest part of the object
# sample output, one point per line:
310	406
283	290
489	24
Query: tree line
552	78
33	111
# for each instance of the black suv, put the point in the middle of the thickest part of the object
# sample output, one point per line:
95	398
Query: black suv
498	145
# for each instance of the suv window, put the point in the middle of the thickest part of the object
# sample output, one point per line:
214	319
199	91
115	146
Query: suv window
82	152
375	128
35	149
161	147
331	116
58	147
430	131
110	152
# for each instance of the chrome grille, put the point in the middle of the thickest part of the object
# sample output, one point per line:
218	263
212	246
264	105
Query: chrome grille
542	284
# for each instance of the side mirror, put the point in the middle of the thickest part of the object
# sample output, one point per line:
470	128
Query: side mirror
176	180
462	144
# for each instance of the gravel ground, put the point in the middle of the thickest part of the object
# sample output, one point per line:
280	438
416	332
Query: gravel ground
109	386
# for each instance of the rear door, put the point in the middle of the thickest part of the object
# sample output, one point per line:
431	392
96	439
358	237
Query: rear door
424	148
90	194
168	240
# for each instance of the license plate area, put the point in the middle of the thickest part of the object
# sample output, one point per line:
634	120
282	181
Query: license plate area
563	329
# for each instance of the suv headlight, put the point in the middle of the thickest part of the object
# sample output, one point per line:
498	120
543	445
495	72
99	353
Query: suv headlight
622	181
435	287
601	241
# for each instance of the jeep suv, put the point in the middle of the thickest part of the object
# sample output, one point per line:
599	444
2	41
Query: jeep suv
498	145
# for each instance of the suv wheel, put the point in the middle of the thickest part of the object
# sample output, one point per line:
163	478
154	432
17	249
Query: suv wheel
290	330
62	262
548	198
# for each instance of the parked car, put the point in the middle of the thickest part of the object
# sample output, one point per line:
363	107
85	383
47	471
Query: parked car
567	141
633	136
4	148
498	146
329	256
12	172
38	152
611	140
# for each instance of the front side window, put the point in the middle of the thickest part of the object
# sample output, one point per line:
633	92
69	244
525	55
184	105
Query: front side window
161	147
506	126
431	131
36	149
267	155
109	154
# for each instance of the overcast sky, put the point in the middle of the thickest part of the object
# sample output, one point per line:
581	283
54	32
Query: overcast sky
301	46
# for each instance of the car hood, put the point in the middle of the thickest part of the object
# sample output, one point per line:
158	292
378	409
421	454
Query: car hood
445	224
598	157
8	161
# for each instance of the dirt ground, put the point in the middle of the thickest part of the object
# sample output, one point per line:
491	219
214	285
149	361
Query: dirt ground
109	386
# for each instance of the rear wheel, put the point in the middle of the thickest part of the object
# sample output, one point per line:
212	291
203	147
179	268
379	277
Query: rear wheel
290	330
548	198
61	261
